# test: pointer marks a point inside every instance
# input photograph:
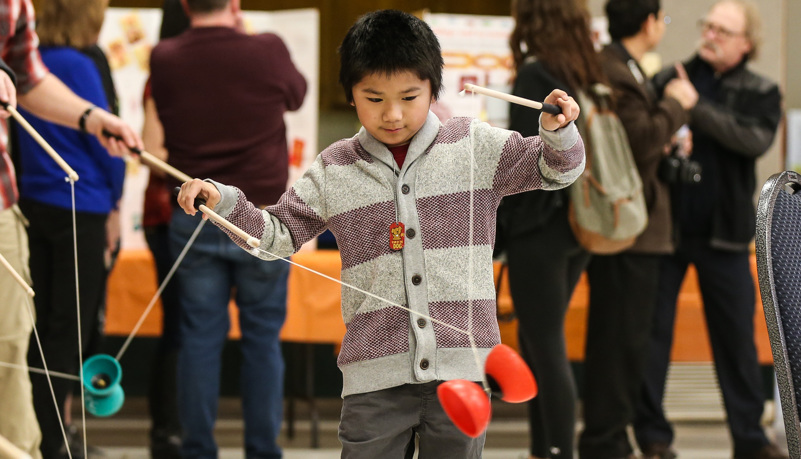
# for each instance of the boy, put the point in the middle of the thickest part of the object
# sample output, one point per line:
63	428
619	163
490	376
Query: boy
396	196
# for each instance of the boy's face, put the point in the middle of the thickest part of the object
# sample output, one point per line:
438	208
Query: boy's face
392	108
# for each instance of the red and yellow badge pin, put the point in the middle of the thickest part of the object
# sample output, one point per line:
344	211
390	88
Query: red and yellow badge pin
396	236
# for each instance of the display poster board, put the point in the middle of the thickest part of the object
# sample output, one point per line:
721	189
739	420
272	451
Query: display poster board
475	50
127	37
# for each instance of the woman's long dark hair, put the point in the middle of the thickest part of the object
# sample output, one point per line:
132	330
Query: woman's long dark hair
557	34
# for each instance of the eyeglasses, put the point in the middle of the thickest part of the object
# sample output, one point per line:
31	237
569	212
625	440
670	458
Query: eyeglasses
705	26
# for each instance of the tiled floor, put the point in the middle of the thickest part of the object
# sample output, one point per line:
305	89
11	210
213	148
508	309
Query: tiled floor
125	435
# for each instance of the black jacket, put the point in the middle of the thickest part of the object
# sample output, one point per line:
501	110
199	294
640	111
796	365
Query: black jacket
734	123
522	213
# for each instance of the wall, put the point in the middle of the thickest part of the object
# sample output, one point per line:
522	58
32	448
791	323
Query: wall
778	61
336	16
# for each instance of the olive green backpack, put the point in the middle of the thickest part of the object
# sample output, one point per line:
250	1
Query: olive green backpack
607	206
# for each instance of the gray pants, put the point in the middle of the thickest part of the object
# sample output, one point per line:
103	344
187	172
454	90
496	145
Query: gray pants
384	424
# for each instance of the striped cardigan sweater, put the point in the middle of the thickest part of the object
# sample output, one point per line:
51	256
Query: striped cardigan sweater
355	189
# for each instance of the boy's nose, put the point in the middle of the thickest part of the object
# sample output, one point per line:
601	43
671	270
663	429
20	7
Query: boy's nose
393	113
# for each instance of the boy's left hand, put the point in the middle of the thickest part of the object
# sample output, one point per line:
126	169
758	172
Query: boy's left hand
570	110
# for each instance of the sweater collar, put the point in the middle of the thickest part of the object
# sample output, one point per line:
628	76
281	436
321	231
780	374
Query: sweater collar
420	142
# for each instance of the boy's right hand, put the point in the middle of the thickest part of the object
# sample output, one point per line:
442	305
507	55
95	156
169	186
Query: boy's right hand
197	188
570	110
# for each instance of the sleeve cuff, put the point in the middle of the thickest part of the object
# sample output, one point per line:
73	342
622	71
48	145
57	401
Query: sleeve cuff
228	197
561	139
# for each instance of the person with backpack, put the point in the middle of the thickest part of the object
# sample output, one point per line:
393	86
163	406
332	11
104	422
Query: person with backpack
623	286
552	48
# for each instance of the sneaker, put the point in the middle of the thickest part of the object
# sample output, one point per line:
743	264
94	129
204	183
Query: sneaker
658	451
165	447
769	451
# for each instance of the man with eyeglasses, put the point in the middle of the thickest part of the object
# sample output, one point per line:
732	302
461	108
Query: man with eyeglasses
733	123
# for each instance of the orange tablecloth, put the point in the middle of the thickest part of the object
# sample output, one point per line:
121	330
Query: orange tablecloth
313	309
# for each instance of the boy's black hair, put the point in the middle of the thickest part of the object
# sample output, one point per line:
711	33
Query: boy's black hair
388	42
627	16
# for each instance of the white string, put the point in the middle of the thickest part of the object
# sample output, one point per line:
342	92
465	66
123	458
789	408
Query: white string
471	230
40	371
365	292
78	310
160	289
47	375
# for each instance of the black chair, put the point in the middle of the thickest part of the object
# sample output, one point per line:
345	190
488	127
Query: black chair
778	250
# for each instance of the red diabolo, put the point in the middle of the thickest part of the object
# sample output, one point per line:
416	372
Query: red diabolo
466	404
511	373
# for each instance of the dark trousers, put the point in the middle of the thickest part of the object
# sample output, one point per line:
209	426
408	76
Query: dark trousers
727	289
622	295
544	268
162	394
52	265
384	424
213	270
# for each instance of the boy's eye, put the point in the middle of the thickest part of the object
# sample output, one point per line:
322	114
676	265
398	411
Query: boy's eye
410	98
374	99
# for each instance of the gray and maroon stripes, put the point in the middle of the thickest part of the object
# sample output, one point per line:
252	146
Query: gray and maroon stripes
375	334
345	152
353	228
445	222
457	129
485	326
385	332
516	168
247	218
564	161
299	218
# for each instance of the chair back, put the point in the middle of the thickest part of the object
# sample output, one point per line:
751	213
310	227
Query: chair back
778	251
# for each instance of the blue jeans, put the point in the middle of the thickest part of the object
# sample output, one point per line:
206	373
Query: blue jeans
213	268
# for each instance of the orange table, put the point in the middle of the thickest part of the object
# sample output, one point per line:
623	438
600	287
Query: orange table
313	313
313	309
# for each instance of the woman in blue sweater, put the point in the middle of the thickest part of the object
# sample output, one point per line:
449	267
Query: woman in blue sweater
64	27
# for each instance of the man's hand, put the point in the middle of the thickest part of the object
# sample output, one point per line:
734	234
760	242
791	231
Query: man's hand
681	89
99	120
8	93
570	110
197	188
112	237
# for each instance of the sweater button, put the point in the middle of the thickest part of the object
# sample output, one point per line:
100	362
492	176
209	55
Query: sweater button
405	189
421	323
424	364
417	279
411	233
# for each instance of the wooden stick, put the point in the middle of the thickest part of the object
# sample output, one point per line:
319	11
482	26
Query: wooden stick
155	161
547	108
16	275
252	241
43	143
10	450
180	176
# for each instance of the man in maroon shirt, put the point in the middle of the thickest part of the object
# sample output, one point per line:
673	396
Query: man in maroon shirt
221	96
